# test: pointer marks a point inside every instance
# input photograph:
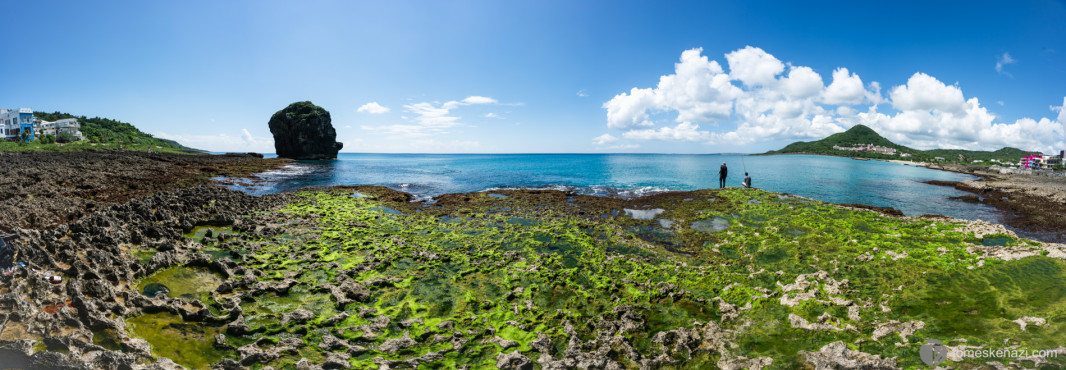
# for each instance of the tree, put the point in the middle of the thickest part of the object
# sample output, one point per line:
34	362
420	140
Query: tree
48	139
67	137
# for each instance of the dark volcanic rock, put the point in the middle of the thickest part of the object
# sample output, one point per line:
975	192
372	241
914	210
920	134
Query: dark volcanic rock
303	131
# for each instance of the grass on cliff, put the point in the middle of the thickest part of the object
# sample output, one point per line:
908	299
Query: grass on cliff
80	146
519	266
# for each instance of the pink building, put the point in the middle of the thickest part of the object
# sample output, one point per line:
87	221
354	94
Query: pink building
1032	162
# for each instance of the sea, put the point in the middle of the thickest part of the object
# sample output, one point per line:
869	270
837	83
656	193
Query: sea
825	178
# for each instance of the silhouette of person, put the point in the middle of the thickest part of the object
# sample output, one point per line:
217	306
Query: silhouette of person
747	180
722	173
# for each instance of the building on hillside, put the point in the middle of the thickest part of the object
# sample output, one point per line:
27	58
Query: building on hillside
60	127
978	161
867	148
905	155
46	128
14	121
939	158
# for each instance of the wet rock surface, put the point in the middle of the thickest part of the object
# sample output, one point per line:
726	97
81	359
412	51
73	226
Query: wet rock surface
45	189
304	131
1034	205
320	279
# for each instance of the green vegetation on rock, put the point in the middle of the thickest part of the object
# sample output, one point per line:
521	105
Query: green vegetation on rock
739	274
97	132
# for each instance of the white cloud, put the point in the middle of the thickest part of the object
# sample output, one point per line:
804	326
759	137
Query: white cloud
754	102
430	118
845	89
698	90
623	146
470	100
628	111
684	131
935	115
582	93
923	92
223	142
373	108
604	139
1002	61
753	66
802	82
247	137
493	115
1061	109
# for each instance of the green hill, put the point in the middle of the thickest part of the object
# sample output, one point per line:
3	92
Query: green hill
856	135
106	130
860	134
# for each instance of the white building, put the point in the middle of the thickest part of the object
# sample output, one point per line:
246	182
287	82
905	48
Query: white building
63	126
14	121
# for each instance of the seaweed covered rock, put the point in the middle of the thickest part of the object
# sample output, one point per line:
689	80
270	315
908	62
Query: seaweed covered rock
304	131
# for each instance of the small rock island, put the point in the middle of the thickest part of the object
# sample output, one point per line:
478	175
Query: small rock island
304	131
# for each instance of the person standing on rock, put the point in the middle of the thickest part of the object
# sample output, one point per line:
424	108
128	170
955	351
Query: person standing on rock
722	173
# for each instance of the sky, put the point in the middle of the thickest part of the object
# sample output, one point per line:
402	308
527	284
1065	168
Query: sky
550	76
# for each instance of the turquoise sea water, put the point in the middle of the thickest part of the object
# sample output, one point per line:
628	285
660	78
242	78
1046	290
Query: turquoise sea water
831	179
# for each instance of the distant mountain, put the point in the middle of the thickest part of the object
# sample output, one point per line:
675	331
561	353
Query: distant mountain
105	130
860	134
856	135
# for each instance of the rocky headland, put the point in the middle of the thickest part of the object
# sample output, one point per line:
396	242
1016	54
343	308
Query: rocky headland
361	277
303	130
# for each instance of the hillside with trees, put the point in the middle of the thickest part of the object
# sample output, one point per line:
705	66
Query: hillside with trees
106	130
860	135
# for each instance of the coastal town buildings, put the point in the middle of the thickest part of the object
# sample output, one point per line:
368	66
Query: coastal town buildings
867	148
15	122
60	127
1056	159
1038	162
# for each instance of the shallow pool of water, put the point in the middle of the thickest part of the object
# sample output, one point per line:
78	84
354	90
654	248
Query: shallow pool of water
644	214
711	226
189	344
181	281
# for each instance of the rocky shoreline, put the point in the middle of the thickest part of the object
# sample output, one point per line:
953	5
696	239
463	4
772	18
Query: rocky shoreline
362	277
1033	204
41	190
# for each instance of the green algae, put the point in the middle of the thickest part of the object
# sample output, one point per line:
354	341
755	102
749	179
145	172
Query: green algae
198	232
184	282
188	344
107	338
518	266
144	255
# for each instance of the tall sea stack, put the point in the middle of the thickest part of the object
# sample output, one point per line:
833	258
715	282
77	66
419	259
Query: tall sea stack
304	131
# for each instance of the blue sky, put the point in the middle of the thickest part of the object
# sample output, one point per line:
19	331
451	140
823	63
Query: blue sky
550	76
